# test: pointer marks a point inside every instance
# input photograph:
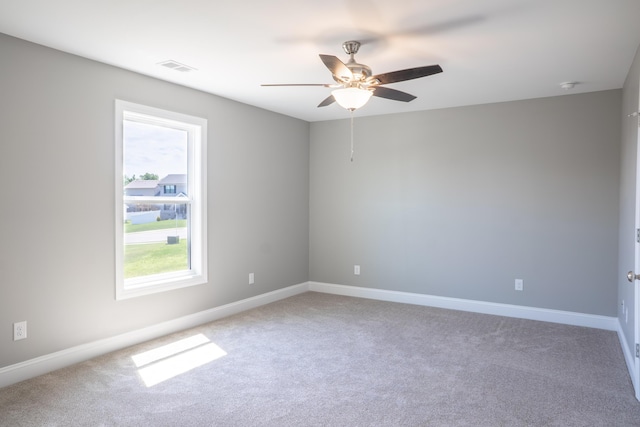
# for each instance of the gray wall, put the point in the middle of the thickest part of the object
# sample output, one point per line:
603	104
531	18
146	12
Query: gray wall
57	250
460	202
628	158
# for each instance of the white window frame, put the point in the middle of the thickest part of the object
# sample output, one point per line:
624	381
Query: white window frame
196	128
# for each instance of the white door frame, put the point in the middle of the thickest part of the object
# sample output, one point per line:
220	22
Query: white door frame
636	262
636	294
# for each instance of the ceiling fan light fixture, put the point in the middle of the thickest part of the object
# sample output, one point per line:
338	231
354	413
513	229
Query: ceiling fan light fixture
351	98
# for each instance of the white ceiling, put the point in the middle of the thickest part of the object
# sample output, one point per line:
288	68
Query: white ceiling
490	50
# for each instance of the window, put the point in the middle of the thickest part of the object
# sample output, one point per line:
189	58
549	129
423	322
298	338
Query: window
161	232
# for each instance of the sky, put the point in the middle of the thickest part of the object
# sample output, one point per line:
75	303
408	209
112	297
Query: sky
153	149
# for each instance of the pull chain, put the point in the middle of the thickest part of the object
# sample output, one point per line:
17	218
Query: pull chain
351	135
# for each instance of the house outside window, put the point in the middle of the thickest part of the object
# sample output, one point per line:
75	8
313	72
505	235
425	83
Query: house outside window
160	200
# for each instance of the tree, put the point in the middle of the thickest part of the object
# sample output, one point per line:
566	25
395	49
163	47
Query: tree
149	176
127	180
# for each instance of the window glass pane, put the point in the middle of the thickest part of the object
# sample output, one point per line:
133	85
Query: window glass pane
154	246
153	152
156	238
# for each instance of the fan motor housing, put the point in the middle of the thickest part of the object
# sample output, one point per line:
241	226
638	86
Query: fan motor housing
360	71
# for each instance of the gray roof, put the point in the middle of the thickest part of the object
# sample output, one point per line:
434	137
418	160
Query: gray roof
174	178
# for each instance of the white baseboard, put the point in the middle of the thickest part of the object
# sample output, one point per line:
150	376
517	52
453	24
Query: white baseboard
60	359
518	311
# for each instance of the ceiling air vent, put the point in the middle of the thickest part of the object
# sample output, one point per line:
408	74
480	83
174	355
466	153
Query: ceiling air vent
174	65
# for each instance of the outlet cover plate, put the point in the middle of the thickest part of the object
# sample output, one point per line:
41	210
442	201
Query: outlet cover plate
19	330
519	284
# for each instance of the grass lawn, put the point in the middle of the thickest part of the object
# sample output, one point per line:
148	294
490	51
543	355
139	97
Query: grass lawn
154	258
155	225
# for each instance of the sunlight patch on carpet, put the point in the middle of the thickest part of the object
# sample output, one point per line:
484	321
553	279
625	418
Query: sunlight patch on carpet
171	360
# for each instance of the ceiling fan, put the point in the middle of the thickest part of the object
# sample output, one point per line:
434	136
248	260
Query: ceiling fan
355	83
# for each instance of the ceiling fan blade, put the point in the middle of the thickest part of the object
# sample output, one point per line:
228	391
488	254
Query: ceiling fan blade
396	95
327	101
299	84
337	67
408	74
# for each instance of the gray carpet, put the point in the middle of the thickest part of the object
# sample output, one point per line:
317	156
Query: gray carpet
326	360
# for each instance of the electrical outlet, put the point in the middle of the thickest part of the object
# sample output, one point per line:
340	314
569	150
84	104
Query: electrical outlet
251	279
519	284
356	270
20	330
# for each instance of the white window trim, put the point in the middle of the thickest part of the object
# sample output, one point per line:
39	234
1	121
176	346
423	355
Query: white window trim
197	189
